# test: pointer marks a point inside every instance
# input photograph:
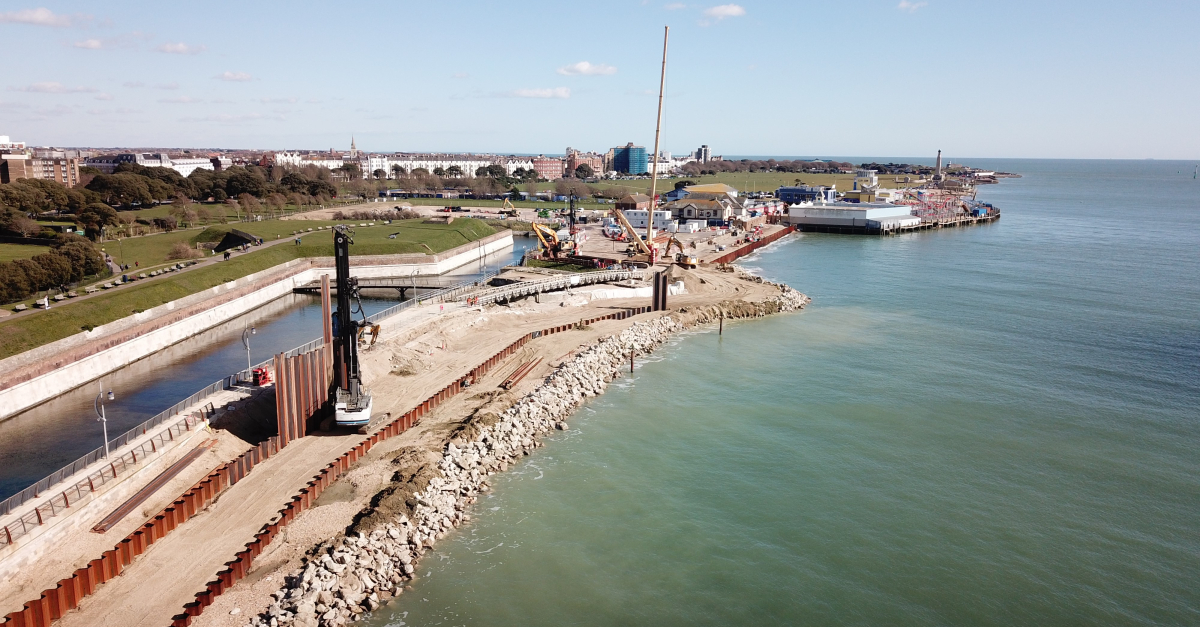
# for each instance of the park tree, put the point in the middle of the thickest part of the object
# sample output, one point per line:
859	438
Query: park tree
124	189
96	216
496	170
379	173
439	171
249	203
24	226
584	171
454	171
397	171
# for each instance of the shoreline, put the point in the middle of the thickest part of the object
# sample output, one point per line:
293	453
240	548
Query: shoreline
369	561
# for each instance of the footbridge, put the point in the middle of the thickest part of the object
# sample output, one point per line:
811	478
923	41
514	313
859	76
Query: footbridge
511	291
400	284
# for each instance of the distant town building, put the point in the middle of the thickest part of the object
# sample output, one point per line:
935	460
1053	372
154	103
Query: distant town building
630	159
806	193
634	202
549	168
184	165
48	164
703	154
575	159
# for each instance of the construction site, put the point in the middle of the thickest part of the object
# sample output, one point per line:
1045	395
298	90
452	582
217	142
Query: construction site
223	496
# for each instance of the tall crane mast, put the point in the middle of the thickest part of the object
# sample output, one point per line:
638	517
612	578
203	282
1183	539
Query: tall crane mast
352	401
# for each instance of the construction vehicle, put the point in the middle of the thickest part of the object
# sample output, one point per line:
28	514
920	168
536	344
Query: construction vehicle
683	258
638	250
351	400
552	246
364	329
507	209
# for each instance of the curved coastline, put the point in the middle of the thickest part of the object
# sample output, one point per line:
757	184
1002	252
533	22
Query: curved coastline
342	579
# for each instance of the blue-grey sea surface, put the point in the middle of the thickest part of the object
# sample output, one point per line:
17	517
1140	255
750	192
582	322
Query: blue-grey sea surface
996	425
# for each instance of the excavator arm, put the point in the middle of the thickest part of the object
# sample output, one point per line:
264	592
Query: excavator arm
642	246
548	238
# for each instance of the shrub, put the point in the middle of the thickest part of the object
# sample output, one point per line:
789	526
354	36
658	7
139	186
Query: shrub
182	251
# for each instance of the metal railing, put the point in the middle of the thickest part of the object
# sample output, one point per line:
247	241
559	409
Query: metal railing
516	290
67	496
60	475
444	294
44	485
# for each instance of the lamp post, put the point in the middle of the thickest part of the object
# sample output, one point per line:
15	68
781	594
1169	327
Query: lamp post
246	341
98	405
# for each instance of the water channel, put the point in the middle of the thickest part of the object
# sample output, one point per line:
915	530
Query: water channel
43	439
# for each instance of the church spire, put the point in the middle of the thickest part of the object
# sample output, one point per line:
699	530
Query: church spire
353	148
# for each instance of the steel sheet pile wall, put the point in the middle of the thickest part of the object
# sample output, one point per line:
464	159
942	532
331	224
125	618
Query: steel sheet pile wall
301	388
753	246
243	561
56	601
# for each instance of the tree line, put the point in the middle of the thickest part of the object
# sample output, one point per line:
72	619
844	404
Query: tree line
70	260
696	168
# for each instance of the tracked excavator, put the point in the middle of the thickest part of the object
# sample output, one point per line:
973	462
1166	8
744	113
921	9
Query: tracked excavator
351	399
550	242
683	258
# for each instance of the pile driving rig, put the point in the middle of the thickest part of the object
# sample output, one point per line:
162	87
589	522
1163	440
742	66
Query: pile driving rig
351	400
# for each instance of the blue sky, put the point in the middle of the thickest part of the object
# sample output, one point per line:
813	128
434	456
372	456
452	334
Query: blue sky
852	77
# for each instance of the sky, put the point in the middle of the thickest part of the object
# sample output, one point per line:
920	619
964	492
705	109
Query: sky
1037	79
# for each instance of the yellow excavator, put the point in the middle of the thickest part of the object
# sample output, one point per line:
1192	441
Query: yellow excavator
507	209
682	257
550	242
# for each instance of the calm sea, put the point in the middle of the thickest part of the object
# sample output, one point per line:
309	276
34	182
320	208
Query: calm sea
997	425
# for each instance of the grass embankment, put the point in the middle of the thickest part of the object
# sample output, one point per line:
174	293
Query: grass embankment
12	252
35	329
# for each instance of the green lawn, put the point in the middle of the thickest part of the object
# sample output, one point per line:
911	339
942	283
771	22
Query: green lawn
12	252
33	330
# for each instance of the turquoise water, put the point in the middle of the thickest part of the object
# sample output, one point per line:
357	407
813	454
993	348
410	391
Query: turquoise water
997	425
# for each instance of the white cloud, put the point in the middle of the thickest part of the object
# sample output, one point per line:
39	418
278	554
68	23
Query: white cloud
235	77
104	97
133	84
38	17
53	88
180	100
583	68
89	44
675	6
911	7
167	86
277	100
722	11
545	92
180	48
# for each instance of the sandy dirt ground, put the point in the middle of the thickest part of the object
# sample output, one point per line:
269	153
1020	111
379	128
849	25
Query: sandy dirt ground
417	355
84	545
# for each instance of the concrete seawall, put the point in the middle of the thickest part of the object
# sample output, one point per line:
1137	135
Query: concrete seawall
47	371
